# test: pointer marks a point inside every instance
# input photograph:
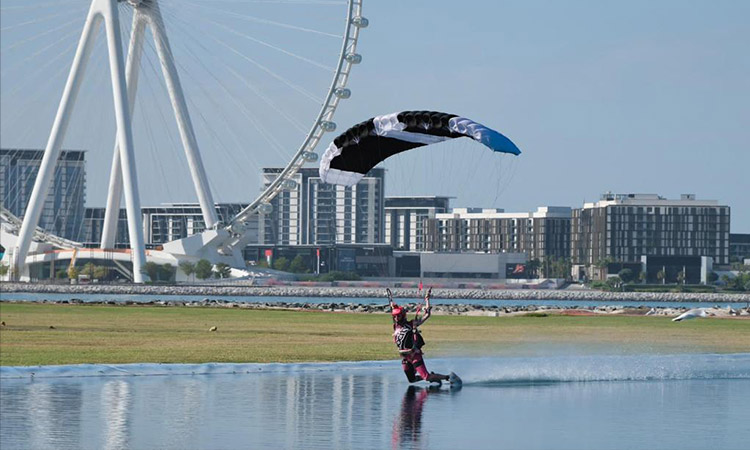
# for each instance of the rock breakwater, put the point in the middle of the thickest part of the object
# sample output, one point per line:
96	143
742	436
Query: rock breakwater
457	309
370	292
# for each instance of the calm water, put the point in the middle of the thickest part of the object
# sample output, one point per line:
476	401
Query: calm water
358	301
597	402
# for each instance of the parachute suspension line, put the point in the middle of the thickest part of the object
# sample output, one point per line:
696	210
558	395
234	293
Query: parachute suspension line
260	20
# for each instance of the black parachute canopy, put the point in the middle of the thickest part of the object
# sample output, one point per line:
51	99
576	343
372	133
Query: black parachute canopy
363	146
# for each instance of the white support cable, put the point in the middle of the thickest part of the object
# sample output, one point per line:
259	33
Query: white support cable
291	85
4	71
151	15
271	46
36	6
261	20
105	11
37	36
37	20
330	103
182	115
314	136
40	235
288	2
268	136
220	108
114	191
292	121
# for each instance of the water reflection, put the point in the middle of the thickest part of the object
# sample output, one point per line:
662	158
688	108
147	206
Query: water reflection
369	405
116	403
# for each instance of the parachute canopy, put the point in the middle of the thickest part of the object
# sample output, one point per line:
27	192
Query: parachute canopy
363	146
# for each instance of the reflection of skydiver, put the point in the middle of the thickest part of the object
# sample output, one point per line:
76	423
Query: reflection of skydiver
409	342
408	426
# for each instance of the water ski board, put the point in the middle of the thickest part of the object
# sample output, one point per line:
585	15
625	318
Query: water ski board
454	380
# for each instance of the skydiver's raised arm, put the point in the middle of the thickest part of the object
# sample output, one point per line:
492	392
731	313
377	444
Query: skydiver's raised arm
427	310
390	298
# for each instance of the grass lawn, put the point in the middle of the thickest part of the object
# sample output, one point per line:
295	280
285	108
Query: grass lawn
129	334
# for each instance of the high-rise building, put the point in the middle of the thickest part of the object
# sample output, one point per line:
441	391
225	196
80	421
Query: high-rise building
405	220
93	225
541	234
317	213
626	227
285	224
62	213
739	247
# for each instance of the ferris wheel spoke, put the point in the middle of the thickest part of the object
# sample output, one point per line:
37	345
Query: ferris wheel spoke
255	19
54	45
247	77
26	7
40	35
201	115
279	49
270	72
39	20
287	2
243	79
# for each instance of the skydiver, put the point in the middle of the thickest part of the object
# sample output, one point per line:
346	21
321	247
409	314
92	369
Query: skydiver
409	342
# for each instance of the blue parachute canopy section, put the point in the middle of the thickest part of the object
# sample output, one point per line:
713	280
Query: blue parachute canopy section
363	146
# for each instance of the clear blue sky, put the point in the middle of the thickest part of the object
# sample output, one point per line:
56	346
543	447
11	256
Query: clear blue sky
637	96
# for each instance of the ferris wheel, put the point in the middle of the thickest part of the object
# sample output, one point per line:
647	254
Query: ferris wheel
218	35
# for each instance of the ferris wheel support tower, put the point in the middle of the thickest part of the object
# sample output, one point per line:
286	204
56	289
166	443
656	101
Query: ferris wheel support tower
124	177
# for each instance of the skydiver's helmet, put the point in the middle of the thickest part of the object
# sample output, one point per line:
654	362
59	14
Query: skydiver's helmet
398	313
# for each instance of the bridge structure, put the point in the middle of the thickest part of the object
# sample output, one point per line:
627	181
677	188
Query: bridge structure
221	242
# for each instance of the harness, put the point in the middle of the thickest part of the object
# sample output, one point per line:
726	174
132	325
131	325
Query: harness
407	338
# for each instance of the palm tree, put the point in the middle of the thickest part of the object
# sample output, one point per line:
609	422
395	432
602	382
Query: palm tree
188	268
661	276
602	266
533	266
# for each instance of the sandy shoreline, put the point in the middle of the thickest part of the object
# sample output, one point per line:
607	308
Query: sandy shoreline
374	292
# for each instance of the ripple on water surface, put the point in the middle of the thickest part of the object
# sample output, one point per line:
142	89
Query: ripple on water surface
638	401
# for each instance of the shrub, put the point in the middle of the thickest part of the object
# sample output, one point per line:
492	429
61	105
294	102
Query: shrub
298	265
203	269
281	264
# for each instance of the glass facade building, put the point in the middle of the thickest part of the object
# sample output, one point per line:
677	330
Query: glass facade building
541	234
625	227
63	209
317	213
405	219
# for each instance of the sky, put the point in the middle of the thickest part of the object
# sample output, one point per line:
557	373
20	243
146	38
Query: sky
630	97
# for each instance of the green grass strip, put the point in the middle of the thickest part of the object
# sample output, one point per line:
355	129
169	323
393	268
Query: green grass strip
51	334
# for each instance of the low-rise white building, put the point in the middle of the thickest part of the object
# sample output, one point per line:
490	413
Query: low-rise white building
540	234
